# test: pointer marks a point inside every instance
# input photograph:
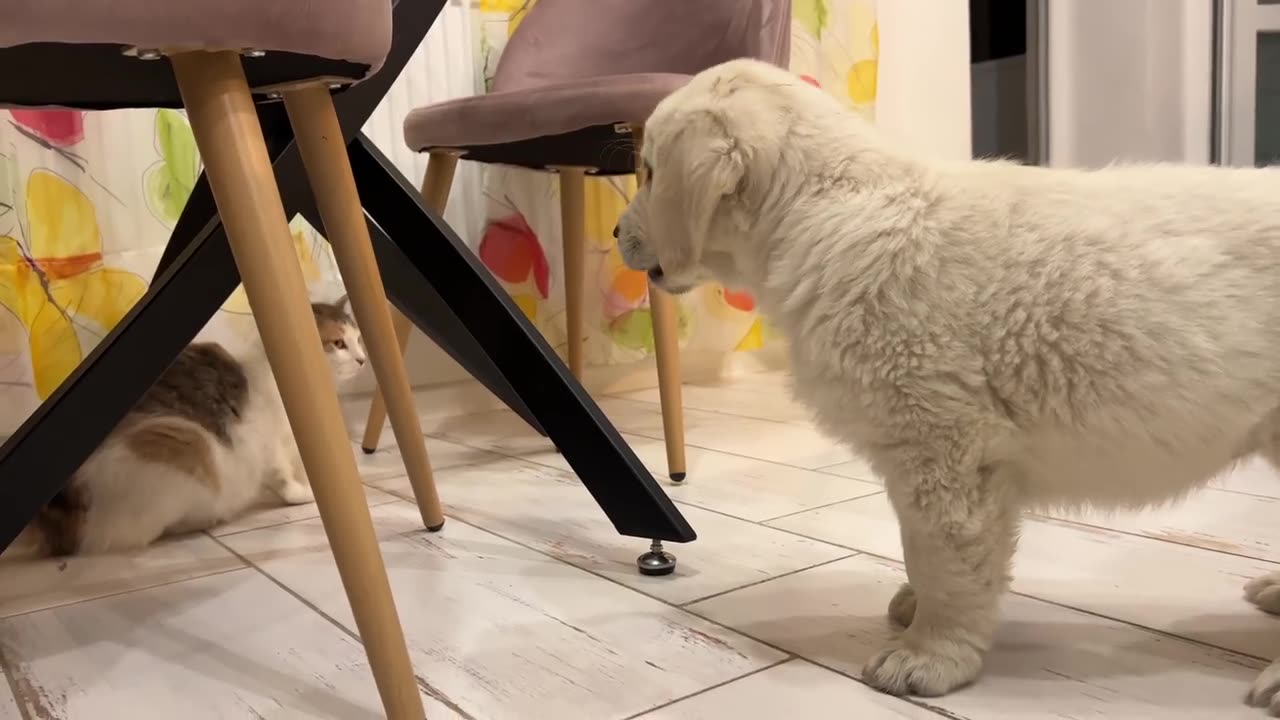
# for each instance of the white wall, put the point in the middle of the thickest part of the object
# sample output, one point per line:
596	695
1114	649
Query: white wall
923	86
1129	80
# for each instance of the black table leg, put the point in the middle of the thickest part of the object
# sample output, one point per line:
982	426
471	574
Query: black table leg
419	303
433	255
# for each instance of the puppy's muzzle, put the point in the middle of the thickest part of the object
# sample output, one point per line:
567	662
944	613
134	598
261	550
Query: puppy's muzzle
655	273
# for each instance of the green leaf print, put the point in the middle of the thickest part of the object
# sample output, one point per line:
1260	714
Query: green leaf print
168	182
811	14
633	329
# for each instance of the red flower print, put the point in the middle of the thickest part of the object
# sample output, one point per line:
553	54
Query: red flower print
59	128
740	300
511	250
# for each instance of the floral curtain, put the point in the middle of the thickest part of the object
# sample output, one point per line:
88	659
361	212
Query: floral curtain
87	201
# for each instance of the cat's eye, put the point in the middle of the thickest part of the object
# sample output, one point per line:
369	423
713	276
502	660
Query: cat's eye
340	344
648	173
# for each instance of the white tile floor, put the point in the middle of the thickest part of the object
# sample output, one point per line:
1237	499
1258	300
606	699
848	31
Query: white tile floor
528	605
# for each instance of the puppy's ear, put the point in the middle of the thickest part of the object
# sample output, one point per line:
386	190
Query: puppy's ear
704	169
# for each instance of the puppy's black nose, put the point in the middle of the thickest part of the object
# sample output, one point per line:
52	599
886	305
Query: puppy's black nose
615	232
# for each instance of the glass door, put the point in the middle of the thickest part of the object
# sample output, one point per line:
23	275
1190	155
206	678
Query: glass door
1249	82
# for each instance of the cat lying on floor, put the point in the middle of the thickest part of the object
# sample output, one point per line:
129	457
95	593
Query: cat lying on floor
208	441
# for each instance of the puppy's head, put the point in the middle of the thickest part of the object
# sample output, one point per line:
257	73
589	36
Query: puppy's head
708	149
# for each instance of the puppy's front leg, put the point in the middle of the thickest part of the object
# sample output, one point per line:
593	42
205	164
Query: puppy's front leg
959	528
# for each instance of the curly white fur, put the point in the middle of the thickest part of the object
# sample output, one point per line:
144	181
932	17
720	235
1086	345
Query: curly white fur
992	337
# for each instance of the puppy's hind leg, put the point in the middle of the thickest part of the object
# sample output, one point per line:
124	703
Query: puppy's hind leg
1264	591
959	529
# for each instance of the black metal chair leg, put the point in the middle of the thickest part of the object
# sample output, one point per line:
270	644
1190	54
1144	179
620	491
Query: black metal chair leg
436	258
37	460
431	315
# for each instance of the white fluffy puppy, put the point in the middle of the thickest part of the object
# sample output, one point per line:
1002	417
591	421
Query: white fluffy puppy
991	337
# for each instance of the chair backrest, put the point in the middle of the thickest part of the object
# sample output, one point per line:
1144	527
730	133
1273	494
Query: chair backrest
561	40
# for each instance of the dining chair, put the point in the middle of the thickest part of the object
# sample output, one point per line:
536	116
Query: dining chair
570	89
212	58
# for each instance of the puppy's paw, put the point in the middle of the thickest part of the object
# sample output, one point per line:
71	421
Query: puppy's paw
1264	592
902	608
1266	690
927	672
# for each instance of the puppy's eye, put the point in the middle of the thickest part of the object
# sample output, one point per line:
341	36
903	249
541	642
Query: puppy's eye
340	344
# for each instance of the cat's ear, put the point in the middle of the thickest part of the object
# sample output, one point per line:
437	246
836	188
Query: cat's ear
343	303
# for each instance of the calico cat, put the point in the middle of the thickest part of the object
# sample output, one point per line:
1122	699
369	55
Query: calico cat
208	441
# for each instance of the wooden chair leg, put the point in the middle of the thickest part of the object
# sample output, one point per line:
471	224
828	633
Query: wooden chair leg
226	129
666	340
666	337
324	155
435	193
573	222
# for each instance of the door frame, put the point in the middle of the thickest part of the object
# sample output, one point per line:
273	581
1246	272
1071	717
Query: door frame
1238	24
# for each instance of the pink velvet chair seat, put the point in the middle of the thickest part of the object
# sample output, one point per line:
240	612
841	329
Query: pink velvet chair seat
552	109
77	44
575	71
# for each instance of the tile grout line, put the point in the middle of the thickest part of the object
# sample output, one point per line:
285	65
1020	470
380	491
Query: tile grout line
910	700
130	591
510	455
657	435
569	473
824	506
422	683
685	605
1055	603
1240	492
942	712
268	526
711	411
1144	536
709	688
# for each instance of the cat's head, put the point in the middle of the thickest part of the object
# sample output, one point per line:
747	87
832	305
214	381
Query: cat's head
341	338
